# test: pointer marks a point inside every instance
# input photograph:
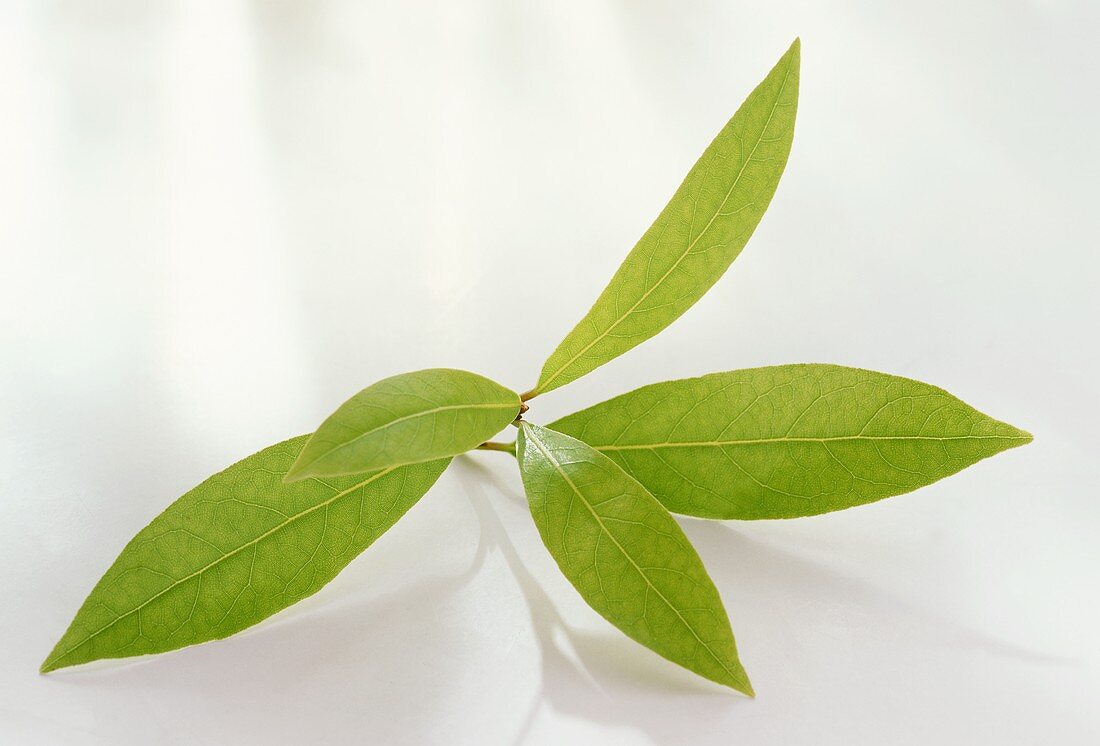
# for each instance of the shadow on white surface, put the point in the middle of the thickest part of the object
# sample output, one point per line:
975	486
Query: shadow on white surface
420	646
583	672
604	677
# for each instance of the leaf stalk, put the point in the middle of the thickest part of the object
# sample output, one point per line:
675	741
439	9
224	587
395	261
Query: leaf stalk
495	446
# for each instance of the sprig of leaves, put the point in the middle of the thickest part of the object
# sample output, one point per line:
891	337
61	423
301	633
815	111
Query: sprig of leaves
778	442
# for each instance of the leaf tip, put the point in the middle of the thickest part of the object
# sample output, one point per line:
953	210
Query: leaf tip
50	664
59	657
739	682
1017	436
795	51
299	470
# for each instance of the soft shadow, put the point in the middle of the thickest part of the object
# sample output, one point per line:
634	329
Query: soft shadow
609	679
601	677
324	604
773	595
757	569
352	658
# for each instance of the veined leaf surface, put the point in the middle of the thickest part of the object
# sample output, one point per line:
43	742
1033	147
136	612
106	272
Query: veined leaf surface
406	419
233	551
789	440
626	555
695	238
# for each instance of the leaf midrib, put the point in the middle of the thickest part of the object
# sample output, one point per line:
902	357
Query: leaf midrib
406	418
759	441
214	563
690	246
558	468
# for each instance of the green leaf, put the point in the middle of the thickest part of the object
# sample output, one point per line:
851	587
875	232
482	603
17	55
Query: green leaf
788	441
695	238
626	555
406	419
233	551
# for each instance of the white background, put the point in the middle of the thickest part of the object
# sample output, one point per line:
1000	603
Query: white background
220	219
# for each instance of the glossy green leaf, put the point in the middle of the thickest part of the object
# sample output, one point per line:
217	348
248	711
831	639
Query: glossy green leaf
406	419
695	238
233	551
626	555
789	440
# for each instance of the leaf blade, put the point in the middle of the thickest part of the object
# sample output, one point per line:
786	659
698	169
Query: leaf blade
175	584
644	547
673	264
788	441
407	418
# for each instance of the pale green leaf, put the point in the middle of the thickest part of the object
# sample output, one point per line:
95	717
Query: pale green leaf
695	238
405	419
789	440
626	555
233	551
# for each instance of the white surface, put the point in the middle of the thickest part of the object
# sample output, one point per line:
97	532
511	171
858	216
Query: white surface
218	220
